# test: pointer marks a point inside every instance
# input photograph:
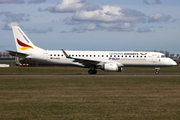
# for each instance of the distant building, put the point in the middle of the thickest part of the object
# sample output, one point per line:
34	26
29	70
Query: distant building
175	55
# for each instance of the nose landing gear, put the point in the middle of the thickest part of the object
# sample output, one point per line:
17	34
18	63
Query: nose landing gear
157	70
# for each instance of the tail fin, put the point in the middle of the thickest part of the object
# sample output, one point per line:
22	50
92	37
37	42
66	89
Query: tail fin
23	43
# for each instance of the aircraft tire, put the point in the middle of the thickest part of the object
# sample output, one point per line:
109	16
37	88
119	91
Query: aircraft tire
156	72
92	71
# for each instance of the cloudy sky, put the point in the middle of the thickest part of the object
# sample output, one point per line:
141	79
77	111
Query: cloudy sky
93	24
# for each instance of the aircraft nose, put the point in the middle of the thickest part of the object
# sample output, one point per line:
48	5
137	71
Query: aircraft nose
173	62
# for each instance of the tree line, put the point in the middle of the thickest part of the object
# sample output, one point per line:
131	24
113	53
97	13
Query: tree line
5	55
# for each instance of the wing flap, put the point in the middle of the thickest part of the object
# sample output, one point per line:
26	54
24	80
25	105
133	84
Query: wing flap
86	61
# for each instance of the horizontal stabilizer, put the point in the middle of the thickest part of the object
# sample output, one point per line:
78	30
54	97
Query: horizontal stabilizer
13	53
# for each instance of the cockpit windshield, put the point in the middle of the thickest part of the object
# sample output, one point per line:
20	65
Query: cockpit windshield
163	56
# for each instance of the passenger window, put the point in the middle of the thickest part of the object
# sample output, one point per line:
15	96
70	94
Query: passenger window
50	54
54	54
79	55
125	56
102	55
86	55
110	55
129	56
73	55
83	55
114	55
118	55
58	54
61	55
94	55
122	56
98	55
90	56
106	55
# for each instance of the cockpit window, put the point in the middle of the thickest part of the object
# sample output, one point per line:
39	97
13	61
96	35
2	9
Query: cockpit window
163	56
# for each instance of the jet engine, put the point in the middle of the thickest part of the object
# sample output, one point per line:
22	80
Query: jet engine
111	67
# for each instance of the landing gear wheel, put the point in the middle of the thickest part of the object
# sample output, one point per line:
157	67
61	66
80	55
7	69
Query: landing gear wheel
92	71
156	72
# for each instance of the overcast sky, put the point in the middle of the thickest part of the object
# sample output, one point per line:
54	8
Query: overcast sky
93	24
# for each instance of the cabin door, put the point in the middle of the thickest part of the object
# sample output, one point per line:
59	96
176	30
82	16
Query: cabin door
154	58
45	56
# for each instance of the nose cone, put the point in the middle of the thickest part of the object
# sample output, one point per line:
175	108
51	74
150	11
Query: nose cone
173	63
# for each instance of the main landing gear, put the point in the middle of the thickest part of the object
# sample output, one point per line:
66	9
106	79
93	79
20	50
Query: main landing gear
157	70
92	71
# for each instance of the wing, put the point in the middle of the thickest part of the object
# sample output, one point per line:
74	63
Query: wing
13	53
89	62
86	61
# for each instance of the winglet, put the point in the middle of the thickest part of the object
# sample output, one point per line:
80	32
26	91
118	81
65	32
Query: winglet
67	56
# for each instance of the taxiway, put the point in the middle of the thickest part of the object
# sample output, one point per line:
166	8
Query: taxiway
87	75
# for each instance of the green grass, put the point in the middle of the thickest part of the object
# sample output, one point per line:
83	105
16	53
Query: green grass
93	98
77	70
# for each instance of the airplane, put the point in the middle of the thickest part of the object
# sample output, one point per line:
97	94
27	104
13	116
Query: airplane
110	61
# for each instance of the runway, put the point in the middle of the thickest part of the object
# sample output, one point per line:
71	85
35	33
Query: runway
88	75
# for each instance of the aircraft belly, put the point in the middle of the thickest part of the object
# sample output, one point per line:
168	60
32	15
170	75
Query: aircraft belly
61	61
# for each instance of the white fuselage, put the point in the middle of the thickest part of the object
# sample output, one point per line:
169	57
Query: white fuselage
126	58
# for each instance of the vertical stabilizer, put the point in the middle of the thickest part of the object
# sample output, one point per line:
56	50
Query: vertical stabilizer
23	43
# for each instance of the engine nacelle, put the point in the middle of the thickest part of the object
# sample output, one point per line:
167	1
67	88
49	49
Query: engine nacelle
111	67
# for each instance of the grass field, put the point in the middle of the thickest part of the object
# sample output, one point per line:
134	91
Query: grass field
89	98
93	98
